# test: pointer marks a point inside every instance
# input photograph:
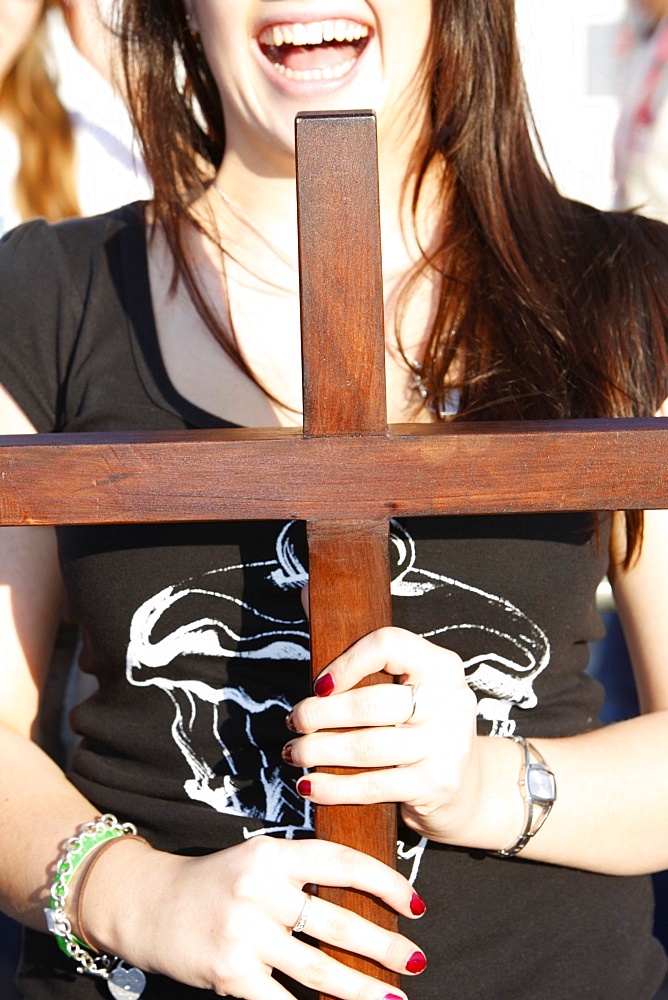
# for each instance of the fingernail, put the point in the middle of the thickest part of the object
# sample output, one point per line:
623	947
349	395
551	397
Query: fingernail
304	789
286	754
418	906
289	724
324	686
416	963
392	996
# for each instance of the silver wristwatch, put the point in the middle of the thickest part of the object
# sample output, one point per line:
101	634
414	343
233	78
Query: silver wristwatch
539	791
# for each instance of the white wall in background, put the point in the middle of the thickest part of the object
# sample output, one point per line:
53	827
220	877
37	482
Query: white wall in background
568	48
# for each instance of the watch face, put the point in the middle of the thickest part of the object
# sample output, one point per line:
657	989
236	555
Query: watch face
541	784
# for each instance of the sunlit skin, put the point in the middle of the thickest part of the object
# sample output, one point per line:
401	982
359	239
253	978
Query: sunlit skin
261	101
18	20
355	54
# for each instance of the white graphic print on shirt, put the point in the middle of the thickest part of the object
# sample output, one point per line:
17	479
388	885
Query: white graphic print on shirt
511	651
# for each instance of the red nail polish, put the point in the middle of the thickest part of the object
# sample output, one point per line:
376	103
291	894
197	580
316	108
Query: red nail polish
324	686
392	996
418	906
286	754
289	724
416	963
304	788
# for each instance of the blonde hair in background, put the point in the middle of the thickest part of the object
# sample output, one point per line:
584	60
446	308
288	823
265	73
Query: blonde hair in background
29	105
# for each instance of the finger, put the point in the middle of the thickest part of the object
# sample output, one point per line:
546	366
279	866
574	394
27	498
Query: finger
337	865
392	650
344	929
258	986
375	705
409	785
379	704
366	748
325	974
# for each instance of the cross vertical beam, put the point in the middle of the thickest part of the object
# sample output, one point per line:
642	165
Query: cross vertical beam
343	357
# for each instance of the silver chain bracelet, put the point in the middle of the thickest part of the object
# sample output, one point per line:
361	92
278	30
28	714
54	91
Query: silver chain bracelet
123	982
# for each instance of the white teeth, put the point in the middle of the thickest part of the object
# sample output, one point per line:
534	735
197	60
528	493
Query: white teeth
340	31
314	33
326	73
299	34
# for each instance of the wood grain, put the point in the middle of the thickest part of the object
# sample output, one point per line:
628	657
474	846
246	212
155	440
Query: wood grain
343	358
413	471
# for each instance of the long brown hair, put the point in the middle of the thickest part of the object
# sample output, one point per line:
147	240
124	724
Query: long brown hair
547	308
29	104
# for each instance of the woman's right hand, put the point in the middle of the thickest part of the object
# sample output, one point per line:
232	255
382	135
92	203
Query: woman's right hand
223	922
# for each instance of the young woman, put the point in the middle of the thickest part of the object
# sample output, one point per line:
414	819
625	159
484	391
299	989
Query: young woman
503	301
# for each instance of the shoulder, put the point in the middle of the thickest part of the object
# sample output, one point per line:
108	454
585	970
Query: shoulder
62	289
616	263
87	228
71	242
617	300
47	268
618	240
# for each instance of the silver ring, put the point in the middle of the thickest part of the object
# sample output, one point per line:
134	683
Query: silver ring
414	690
303	916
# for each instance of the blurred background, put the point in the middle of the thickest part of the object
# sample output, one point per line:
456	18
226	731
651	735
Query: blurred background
581	58
575	75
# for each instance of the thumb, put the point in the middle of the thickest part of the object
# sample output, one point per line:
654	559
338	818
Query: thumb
305	599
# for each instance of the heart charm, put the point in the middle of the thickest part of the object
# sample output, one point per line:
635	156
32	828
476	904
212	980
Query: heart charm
126	983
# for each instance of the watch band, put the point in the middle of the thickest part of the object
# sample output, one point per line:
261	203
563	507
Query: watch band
539	791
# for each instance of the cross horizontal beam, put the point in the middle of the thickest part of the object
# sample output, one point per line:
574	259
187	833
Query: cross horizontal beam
414	470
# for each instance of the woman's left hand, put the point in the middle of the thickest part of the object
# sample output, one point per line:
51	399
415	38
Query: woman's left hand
414	741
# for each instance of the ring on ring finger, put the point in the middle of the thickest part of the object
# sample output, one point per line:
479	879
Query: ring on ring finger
414	690
303	915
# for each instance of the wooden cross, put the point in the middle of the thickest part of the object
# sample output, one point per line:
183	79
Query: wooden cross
347	473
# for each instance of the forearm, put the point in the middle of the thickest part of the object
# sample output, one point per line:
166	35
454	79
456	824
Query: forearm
40	810
611	813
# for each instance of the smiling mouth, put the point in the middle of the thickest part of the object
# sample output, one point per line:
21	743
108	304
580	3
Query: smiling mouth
319	50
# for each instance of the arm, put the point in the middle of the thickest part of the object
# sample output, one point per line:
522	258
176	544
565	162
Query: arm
611	812
220	922
39	807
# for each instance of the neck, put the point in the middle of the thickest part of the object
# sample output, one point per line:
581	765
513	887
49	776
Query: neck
259	213
270	202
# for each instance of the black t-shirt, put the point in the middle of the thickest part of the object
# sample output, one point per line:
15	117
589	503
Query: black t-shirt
198	641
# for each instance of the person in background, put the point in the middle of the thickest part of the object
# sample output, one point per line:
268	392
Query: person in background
37	148
641	139
110	170
66	144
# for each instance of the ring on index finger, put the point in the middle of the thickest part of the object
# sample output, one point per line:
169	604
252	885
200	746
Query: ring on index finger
303	915
414	690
